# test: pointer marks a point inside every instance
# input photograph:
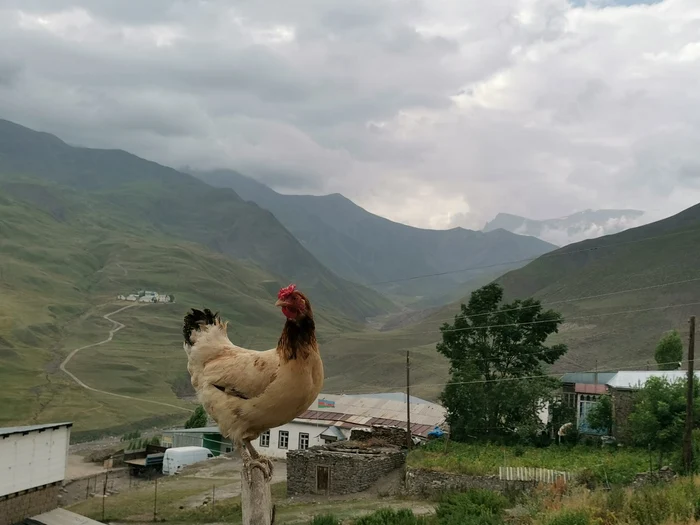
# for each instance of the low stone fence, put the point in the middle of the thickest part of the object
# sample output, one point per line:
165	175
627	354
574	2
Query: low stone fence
423	482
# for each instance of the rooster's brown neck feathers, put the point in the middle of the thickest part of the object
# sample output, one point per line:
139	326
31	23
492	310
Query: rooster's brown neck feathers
298	338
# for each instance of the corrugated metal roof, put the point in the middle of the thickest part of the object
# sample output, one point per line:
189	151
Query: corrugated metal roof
64	517
587	377
391	396
201	430
6	431
332	431
631	380
425	412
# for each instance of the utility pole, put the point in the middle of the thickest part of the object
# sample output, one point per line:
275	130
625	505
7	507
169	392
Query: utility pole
409	440
688	435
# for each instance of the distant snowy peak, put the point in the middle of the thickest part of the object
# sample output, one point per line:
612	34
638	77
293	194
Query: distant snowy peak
577	227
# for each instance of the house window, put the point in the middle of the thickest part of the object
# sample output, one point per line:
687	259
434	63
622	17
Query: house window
228	449
265	439
303	441
283	440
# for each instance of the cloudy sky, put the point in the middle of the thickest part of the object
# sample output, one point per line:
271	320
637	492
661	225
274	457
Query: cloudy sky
431	112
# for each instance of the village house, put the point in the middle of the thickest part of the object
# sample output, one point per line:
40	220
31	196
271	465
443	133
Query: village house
581	390
146	296
622	387
330	419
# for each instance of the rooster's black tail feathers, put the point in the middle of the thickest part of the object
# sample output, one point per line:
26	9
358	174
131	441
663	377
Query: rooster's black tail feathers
194	321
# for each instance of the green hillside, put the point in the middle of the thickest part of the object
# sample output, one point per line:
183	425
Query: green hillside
138	192
369	249
603	269
63	260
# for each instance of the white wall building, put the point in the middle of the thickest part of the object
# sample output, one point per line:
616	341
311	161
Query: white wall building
32	468
330	418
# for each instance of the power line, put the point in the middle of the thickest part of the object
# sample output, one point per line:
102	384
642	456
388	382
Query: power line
565	319
520	378
557	253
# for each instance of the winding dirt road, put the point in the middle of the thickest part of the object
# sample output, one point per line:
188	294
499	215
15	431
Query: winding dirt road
115	328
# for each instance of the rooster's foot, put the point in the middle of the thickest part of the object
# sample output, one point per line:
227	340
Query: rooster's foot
262	463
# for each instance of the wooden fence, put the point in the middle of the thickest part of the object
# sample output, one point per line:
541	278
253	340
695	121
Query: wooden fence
542	475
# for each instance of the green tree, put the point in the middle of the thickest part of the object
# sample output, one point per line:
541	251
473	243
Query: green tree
600	416
669	351
198	419
657	419
492	347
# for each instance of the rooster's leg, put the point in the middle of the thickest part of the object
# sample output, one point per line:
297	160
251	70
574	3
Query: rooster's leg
256	460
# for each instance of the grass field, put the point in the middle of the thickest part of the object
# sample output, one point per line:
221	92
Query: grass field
616	466
59	277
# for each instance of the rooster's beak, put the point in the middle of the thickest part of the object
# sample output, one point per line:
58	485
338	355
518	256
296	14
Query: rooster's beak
280	303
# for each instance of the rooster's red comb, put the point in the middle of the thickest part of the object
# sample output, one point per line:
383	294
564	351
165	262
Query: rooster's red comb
286	292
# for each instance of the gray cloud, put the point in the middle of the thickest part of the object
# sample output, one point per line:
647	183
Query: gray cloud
433	113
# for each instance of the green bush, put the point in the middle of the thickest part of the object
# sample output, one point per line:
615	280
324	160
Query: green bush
326	519
476	506
615	500
571	517
390	517
649	506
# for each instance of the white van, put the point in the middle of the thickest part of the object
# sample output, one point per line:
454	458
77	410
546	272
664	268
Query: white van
175	459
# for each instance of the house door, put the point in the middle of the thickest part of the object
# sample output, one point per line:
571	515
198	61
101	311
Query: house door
322	479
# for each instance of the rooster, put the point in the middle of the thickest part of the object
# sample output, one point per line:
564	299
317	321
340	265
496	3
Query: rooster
248	392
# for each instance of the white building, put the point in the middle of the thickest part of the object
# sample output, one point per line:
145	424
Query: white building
330	418
32	469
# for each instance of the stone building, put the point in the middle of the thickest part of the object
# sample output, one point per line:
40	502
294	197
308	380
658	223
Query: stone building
342	468
622	388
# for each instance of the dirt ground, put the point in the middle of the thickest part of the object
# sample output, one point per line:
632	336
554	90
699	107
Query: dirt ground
222	469
77	467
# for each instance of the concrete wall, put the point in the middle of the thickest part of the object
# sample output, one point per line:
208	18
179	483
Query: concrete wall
349	472
422	482
33	459
16	507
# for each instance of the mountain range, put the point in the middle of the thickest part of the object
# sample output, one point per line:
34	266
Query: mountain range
618	295
79	226
368	249
587	224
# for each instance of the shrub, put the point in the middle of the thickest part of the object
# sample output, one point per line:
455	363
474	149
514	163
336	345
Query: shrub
616	500
649	506
476	506
570	517
389	517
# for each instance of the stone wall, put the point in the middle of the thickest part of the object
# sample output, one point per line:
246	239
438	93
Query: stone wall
348	472
623	402
389	435
16	507
423	482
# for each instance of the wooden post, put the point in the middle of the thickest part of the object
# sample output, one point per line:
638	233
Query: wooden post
155	503
409	441
256	499
104	496
688	435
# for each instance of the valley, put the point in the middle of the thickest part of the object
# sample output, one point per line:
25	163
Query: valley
80	227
